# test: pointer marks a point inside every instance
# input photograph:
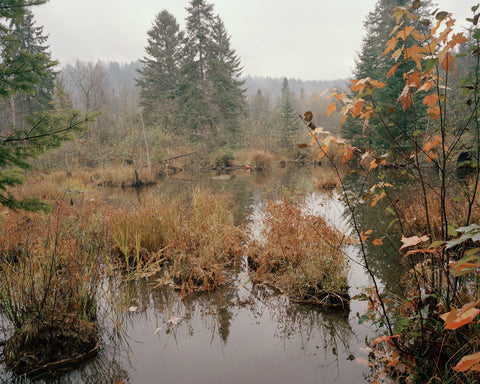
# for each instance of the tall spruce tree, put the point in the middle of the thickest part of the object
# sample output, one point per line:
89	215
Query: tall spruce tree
395	129
224	71
194	85
289	122
24	71
159	74
209	93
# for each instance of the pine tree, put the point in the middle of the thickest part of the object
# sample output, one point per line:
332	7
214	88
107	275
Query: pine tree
226	91
159	74
24	71
396	125
289	122
209	93
193	88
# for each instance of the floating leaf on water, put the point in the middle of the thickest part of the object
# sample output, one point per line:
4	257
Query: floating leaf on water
174	320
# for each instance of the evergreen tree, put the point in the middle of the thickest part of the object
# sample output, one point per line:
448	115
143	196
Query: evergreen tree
24	71
226	91
193	88
159	74
34	41
395	129
289	121
210	93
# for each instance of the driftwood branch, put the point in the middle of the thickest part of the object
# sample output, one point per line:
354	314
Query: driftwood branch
178	156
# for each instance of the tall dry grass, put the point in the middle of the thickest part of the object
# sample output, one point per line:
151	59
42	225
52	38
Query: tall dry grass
197	239
50	272
300	255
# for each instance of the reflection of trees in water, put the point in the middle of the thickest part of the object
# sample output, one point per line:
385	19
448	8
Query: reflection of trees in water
213	310
385	261
303	325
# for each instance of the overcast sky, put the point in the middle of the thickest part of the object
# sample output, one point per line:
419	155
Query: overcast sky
304	39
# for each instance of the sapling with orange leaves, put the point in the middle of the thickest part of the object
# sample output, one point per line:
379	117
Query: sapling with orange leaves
441	260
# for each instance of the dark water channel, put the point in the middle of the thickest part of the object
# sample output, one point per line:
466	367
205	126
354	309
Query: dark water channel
239	334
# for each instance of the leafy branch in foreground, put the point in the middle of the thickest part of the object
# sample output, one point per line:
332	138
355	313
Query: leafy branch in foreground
429	317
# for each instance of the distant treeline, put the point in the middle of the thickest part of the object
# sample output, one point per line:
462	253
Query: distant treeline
123	75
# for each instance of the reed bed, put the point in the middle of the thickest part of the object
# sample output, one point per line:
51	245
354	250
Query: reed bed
300	255
194	239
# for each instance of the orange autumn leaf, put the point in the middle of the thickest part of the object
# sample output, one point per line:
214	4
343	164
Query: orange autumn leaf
468	362
392	70
391	44
359	85
426	86
430	48
418	36
460	316
405	97
404	33
377	84
377	198
411	241
415	53
459	38
430	100
344	119
377	242
357	107
414	79
332	107
376	162
347	153
384	338
434	112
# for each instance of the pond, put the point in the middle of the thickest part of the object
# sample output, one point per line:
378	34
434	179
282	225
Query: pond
241	333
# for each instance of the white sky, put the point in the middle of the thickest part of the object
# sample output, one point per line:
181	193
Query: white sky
304	39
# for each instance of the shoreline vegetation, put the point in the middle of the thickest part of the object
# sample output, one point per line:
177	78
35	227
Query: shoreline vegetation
54	261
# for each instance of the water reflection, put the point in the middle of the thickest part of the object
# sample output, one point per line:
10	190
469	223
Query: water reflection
241	333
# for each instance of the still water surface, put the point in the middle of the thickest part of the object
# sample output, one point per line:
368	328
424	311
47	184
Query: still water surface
241	333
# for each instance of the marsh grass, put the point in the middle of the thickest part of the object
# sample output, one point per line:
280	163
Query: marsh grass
48	288
196	239
300	255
